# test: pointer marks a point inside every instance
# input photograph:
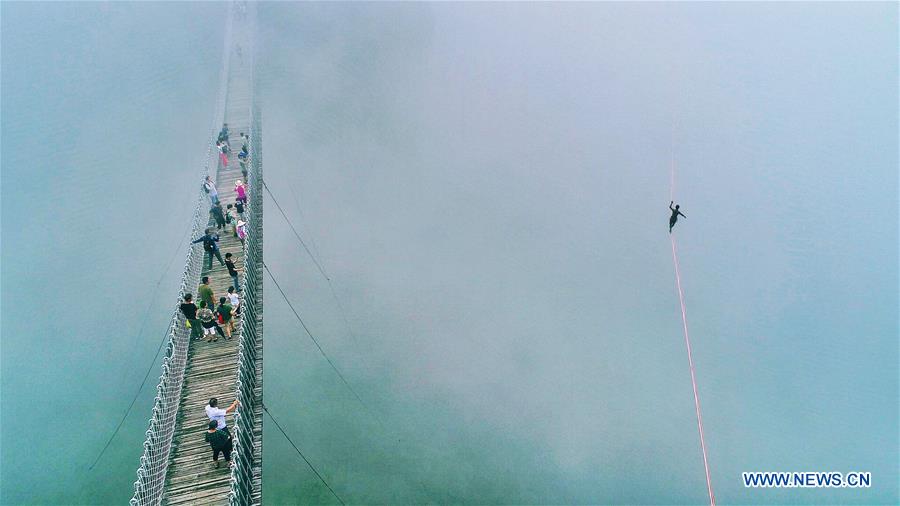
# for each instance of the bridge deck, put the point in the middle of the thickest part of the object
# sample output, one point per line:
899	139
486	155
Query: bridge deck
212	368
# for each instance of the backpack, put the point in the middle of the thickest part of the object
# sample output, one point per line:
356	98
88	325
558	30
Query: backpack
221	312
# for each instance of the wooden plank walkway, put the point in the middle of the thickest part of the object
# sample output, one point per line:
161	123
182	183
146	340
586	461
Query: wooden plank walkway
212	369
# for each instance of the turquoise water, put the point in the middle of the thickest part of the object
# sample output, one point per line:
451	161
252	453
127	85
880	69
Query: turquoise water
486	186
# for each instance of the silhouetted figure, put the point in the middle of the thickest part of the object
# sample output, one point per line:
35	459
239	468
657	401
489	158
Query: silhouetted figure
675	213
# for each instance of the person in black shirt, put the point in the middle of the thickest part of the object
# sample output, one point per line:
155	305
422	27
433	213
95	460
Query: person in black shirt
219	441
210	245
232	271
218	215
672	219
189	310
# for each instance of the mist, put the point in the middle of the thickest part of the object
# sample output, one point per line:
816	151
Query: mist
486	186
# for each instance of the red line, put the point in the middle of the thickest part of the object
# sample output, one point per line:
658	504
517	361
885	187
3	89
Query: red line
687	342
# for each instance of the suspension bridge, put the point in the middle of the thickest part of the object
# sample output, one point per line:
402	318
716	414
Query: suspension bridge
175	467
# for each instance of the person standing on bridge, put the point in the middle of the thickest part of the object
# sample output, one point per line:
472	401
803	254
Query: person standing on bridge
243	158
675	213
241	231
235	301
239	207
217	414
222	141
232	271
231	218
223	153
224	310
206	292
244	155
208	320
219	441
210	189
218	215
211	246
189	310
241	191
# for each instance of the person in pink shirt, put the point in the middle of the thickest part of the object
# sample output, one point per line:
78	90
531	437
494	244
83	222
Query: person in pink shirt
241	191
241	231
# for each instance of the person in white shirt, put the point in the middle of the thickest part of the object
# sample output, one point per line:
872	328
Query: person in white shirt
210	188
214	412
234	300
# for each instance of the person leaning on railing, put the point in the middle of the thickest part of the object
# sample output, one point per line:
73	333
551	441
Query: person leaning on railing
241	231
210	188
217	414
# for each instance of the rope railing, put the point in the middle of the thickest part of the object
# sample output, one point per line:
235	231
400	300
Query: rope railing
249	382
249	387
151	474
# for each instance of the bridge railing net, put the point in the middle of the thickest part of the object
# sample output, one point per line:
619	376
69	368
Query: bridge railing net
151	474
251	323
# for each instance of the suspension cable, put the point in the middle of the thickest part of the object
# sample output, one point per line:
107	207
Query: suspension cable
341	310
313	257
283	433
296	200
322	351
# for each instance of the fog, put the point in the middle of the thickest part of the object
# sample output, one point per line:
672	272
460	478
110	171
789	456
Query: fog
487	187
